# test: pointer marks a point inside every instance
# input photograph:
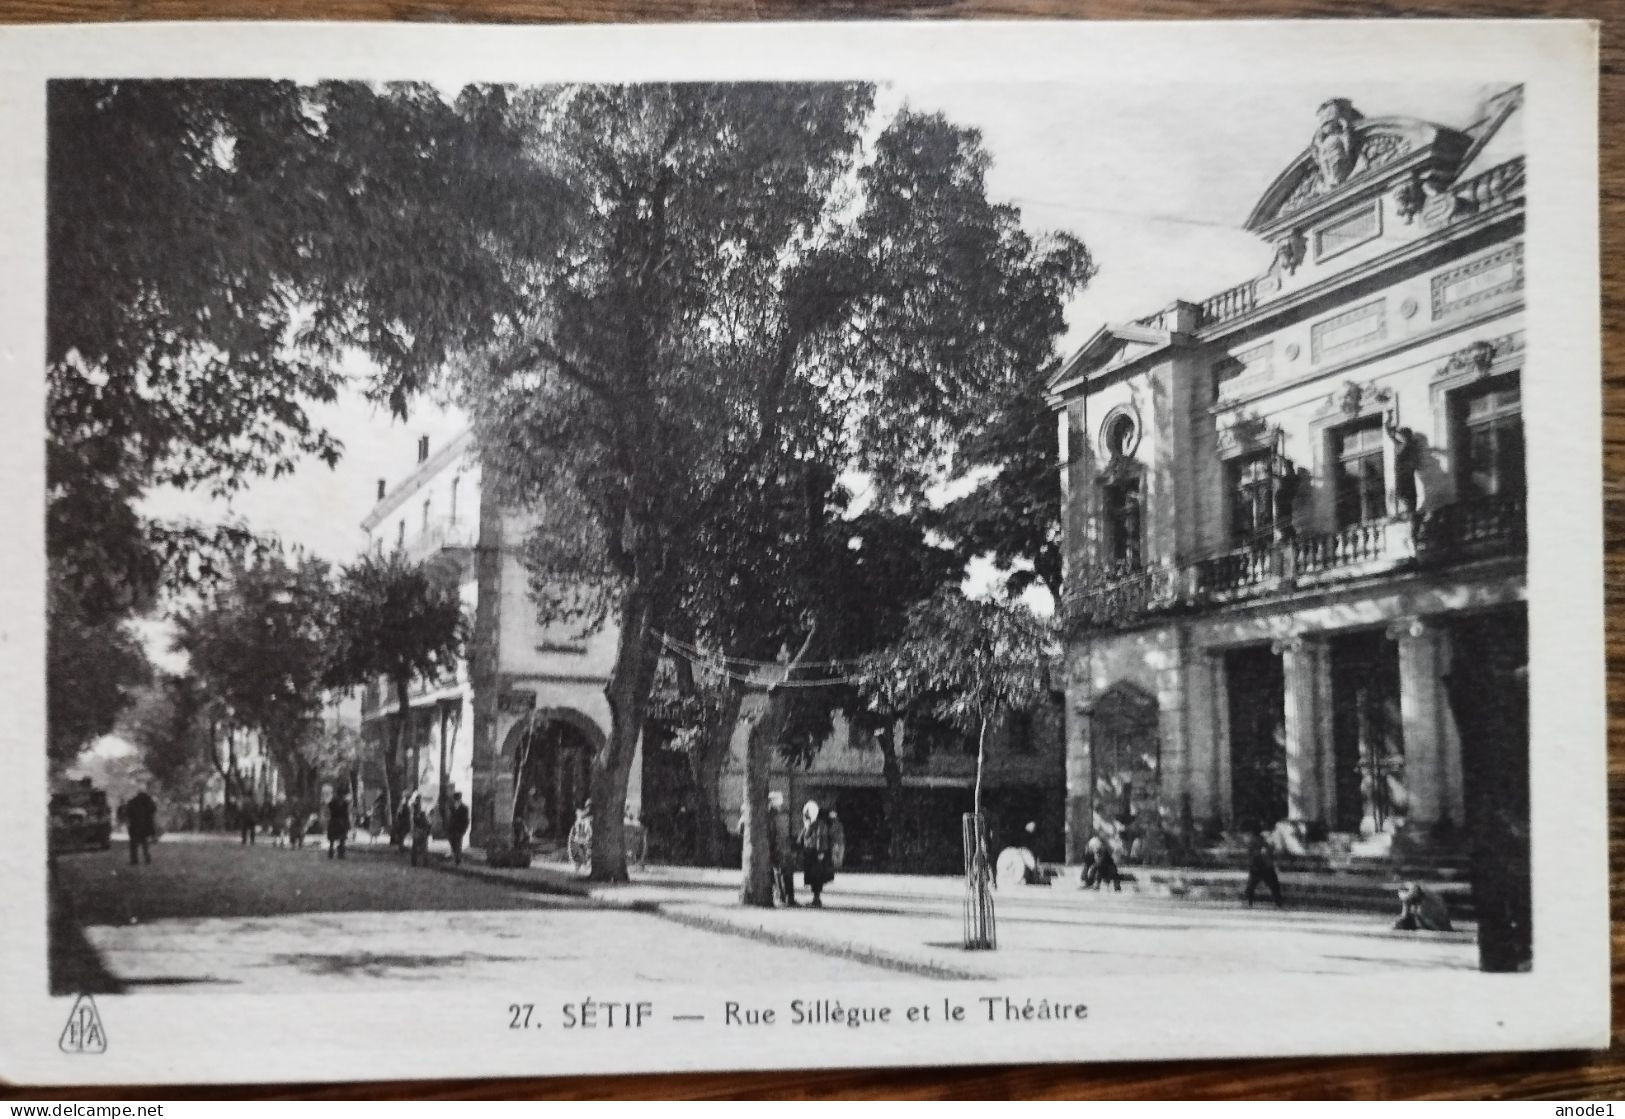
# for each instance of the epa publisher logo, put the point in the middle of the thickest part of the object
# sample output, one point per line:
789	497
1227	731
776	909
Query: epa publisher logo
83	1033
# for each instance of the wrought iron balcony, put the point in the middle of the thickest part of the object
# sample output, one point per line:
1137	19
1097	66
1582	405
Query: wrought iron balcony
1470	530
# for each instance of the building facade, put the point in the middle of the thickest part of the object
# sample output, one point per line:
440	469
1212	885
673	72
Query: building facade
1294	514
515	727
432	515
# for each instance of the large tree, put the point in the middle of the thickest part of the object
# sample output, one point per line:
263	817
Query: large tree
401	621
742	285
1013	514
95	666
176	727
218	252
258	644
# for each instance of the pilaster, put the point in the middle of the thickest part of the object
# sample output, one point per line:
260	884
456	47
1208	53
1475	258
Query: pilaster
1080	775
1432	747
1218	804
1307	724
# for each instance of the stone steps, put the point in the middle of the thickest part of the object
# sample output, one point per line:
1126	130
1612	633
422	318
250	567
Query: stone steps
1337	891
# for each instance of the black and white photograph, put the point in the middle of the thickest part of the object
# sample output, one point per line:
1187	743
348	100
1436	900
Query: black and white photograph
761	570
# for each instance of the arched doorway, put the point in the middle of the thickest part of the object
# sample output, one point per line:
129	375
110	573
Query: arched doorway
1126	759
549	756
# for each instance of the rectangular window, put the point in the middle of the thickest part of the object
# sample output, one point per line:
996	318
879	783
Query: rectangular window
1121	502
454	484
1489	439
1252	500
426	516
400	535
1360	481
1347	232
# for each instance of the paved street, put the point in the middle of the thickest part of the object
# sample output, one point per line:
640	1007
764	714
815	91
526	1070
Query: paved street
916	922
208	913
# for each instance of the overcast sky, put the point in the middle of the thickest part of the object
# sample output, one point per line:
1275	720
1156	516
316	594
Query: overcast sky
1156	180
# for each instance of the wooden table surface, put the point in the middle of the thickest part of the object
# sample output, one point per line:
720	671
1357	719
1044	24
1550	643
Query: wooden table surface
1545	1076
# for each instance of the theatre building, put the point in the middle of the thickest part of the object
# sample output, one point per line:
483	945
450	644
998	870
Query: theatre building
1294	515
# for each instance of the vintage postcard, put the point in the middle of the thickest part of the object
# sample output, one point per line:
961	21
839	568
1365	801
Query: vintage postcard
629	549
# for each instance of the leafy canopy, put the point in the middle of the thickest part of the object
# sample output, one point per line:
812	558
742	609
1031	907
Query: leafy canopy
395	618
257	646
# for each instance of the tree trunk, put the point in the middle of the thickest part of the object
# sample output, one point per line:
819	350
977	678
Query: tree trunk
756	888
398	778
757	885
981	758
705	763
631	682
442	807
891	805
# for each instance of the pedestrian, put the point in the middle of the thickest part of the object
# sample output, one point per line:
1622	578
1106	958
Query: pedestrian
1421	910
141	820
1261	869
246	822
377	818
781	850
338	823
400	831
457	827
817	852
420	827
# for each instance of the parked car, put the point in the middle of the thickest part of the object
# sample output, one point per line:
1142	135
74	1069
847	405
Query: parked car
80	818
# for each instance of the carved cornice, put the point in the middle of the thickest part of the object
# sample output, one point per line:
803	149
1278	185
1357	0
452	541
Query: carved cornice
1297	643
1479	359
1352	400
1242	437
1402	628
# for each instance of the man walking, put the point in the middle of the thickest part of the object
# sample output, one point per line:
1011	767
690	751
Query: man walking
420	827
338	823
457	827
141	820
780	850
1261	869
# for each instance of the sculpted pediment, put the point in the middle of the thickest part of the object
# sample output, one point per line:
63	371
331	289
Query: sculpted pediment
1347	150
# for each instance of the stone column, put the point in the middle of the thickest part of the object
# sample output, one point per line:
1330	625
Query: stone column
1432	748
1216	804
1080	775
1303	666
1173	778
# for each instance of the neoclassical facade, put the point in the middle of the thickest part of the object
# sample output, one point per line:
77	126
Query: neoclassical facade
1294	513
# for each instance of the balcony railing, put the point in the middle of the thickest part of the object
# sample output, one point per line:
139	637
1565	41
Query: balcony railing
1231	303
442	536
1481	527
1462	532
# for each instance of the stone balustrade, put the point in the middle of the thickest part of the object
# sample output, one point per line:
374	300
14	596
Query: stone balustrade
1499	183
1461	532
1232	303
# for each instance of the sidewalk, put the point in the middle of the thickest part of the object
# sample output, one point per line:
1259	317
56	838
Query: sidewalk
913	924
